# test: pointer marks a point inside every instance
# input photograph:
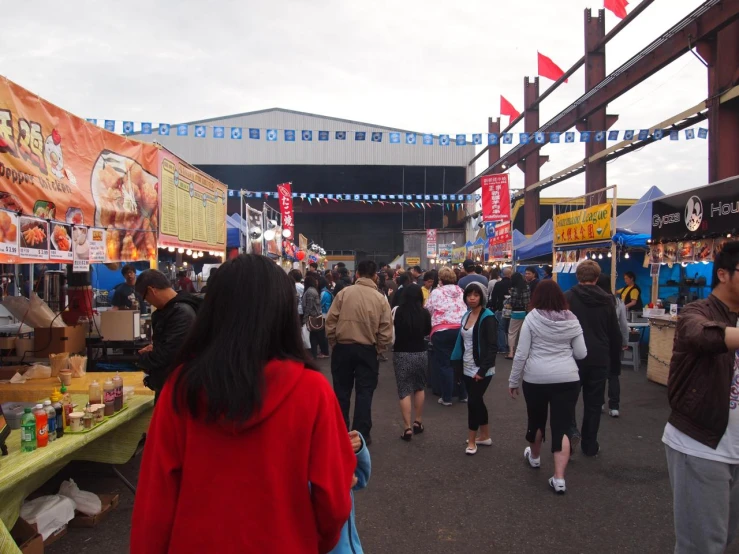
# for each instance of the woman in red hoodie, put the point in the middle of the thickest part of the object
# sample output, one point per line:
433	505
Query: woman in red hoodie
247	450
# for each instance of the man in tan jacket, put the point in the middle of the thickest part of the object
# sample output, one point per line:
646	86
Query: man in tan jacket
359	328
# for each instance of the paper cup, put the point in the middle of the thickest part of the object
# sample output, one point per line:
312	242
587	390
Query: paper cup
65	376
75	421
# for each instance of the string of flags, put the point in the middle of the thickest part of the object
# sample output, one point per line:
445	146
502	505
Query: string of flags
421	201
394	137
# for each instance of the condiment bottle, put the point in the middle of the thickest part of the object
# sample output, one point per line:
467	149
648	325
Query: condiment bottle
95	393
109	397
118	384
28	431
67	405
59	409
42	426
87	419
50	419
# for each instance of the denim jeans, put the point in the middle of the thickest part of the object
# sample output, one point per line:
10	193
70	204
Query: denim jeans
444	342
503	323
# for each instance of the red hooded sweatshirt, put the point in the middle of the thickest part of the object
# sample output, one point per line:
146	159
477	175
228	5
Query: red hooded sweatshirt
278	483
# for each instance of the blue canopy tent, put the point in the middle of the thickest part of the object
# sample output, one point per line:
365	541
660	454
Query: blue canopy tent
537	245
634	226
234	226
518	238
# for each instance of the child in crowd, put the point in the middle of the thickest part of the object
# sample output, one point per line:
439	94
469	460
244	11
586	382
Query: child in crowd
349	541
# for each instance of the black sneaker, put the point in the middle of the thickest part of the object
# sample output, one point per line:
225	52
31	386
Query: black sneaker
575	443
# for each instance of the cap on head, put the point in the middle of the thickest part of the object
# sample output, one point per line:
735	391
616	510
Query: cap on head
468	265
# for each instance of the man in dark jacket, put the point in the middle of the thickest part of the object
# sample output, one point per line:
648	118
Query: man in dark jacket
170	323
344	280
501	289
702	434
596	311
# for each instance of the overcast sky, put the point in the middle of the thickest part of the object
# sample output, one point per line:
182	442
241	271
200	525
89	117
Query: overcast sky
426	65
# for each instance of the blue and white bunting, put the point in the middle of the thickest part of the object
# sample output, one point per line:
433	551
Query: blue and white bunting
110	125
182	130
460	140
410	138
477	138
289	135
689	134
93	121
254	134
340	135
271	135
569	136
612	135
376	137
146	128
508	138
219	132
394	138
428	140
360	135
658	134
492	139
306	135
200	131
539	138
644	134
236	133
127	127
164	129
629	134
443	140
600	136
554	138
585	136
702	133
523	138
674	135
323	135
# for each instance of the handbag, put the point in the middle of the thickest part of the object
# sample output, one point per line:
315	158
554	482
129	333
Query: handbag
306	336
316	323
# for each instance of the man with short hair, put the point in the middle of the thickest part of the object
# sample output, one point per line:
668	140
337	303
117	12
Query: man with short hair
471	276
124	294
313	266
170	323
359	328
343	281
417	275
299	288
596	311
702	434
531	274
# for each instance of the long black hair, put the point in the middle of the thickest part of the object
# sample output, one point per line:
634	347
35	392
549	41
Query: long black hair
249	317
518	281
310	281
411	315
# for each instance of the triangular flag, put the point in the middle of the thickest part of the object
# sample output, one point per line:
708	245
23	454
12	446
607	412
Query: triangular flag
618	7
549	69
506	108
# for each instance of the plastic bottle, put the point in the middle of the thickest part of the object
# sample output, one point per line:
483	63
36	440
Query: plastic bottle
28	431
67	405
109	397
50	419
59	409
118	384
95	393
42	426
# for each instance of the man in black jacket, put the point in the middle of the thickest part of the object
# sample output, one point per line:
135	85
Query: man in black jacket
596	312
344	280
170	323
501	289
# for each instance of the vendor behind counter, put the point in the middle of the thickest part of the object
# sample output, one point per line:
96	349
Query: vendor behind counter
125	296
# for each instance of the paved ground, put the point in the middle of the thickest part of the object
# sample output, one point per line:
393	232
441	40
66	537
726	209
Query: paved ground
428	497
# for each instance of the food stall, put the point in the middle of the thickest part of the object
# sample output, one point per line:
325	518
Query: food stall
688	231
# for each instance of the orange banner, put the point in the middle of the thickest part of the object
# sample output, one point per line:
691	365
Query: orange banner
192	206
57	170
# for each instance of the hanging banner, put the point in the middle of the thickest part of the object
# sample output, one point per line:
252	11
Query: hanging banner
286	208
58	167
445	251
193	206
500	245
583	225
459	254
254	231
496	198
272	233
430	243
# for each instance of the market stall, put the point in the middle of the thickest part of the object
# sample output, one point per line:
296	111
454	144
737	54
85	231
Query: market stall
688	231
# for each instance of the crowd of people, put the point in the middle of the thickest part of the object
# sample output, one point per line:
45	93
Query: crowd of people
223	398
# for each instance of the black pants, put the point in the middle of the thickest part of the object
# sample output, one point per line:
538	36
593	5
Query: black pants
318	339
477	412
614	386
593	380
557	399
355	364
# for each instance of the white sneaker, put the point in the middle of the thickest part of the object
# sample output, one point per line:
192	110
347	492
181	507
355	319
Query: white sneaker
470	451
441	401
535	463
613	413
557	485
486	442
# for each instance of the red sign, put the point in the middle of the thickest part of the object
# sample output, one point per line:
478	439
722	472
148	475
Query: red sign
286	208
496	199
430	243
502	233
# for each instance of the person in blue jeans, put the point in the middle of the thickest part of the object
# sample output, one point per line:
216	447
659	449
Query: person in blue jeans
446	305
349	541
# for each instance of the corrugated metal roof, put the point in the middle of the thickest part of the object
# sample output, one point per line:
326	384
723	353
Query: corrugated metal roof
226	151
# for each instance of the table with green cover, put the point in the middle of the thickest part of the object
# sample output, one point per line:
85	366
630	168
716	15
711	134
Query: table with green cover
111	442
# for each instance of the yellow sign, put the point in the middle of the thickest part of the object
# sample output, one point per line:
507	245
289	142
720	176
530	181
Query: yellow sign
459	254
411	261
586	225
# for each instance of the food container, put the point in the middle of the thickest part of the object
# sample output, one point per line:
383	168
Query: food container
58	362
65	376
75	421
128	393
98	411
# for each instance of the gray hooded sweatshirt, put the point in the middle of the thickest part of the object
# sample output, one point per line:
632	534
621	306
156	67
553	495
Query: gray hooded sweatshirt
548	346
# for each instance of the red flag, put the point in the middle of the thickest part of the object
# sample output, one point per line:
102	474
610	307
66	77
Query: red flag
618	7
506	108
549	69
286	208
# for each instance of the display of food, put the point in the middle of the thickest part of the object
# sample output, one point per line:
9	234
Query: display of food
10	202
44	209
75	216
8	229
670	253
703	250
33	234
685	251
60	238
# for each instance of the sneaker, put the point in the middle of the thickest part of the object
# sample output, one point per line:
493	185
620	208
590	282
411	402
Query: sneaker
534	463
486	442
441	401
557	485
463	400
613	413
471	451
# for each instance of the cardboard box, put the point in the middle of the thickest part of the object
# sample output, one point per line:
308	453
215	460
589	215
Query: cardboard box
27	538
109	502
55	536
56	340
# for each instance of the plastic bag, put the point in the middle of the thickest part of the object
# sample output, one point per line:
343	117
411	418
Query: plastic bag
42	315
87	503
78	365
37	371
306	337
48	513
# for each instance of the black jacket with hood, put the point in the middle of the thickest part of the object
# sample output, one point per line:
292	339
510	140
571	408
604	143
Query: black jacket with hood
170	326
596	311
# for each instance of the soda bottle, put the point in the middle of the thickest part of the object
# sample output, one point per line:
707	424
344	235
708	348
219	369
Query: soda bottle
28	431
42	426
51	420
59	419
118	384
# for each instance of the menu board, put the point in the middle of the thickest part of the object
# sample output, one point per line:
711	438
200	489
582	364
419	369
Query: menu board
8	233
192	206
88	247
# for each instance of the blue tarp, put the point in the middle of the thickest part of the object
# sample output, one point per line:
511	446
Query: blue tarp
232	237
518	238
634	226
537	245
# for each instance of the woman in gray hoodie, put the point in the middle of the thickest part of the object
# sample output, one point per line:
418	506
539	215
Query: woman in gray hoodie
551	340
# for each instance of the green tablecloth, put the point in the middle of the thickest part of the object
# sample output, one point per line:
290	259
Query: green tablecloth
21	473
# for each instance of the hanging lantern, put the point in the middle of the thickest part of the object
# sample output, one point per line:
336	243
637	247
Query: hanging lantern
300	255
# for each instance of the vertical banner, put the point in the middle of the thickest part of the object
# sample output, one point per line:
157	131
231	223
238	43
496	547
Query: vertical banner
431	243
286	208
500	244
496	198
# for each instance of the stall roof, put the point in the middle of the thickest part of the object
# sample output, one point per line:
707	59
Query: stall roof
518	238
537	245
634	226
